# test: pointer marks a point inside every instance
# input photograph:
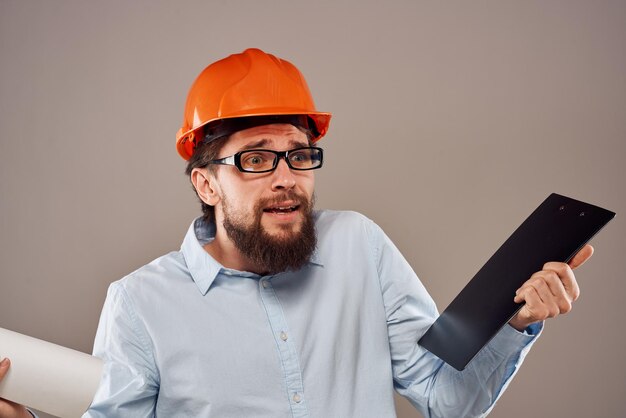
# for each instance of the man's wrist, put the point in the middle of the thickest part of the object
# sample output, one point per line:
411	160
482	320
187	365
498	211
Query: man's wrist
519	324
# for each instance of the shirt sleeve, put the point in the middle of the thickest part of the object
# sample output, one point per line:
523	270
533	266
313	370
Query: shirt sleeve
432	386
129	384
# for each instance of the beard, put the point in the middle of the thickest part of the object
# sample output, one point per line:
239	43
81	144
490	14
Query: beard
272	254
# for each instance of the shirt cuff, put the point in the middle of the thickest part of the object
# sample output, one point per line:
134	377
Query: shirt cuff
510	340
533	329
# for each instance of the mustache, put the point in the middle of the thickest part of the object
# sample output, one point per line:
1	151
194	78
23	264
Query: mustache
297	198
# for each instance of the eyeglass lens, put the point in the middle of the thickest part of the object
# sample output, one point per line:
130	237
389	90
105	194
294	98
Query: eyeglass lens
261	160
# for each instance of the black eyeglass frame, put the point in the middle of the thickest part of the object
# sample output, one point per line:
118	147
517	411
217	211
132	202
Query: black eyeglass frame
235	159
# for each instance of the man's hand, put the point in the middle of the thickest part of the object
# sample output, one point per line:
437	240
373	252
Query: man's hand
549	292
10	409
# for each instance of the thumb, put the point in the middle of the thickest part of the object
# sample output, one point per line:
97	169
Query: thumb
581	256
4	367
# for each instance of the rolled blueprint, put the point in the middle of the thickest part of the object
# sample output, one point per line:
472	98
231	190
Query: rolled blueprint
48	377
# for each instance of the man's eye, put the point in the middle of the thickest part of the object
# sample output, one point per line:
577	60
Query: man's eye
298	157
254	159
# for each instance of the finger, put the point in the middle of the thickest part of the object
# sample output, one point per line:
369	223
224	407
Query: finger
559	298
533	310
4	367
520	294
537	281
552	296
581	256
567	277
550	304
542	289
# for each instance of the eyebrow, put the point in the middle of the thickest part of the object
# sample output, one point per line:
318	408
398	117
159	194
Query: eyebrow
256	144
264	142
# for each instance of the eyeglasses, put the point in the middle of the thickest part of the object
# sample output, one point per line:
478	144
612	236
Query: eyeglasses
264	160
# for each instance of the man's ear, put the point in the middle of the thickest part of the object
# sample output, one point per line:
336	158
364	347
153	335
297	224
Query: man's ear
206	186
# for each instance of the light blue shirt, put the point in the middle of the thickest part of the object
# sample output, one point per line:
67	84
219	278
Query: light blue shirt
186	337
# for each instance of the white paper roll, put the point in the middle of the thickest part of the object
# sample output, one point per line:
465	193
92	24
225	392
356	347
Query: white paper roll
48	377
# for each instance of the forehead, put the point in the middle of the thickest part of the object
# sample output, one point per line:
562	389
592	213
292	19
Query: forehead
278	136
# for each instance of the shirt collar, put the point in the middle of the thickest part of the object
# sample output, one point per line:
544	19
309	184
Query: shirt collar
204	268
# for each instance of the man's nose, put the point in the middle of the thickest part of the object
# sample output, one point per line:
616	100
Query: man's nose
283	178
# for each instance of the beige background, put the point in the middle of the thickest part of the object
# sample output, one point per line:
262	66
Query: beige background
452	121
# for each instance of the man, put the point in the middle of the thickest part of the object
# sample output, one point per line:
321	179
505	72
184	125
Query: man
271	309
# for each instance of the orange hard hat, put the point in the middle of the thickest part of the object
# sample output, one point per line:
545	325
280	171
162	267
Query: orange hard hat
249	84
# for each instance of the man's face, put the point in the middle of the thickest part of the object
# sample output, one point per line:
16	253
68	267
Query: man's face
267	215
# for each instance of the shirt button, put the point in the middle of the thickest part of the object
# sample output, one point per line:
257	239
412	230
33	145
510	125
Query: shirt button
283	336
297	398
265	284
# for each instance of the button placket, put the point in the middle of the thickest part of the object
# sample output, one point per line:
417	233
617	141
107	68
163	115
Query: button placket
286	350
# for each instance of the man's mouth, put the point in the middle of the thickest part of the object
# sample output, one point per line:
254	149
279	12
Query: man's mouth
281	209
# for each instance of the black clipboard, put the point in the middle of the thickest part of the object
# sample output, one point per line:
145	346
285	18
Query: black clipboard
555	231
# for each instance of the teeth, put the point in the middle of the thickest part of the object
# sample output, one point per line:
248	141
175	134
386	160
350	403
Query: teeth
282	209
